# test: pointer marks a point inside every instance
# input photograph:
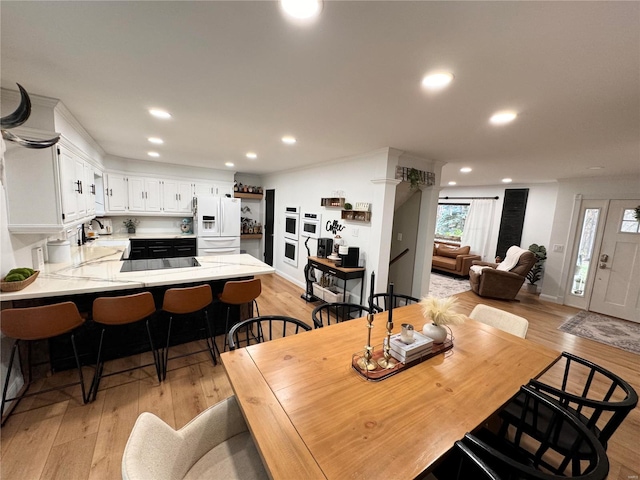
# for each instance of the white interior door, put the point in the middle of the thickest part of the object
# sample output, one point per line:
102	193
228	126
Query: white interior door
616	289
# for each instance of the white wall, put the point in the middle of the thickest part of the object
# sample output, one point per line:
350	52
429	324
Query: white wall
563	229
143	167
538	217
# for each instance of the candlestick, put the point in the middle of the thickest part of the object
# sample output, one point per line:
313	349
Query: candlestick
387	361
365	362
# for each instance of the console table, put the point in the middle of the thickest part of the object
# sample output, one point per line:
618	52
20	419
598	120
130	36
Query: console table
344	274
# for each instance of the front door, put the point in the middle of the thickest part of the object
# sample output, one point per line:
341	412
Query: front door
616	289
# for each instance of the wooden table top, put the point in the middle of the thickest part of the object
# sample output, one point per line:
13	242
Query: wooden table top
312	416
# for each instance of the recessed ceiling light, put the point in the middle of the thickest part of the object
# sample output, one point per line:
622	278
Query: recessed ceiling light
229	164
289	140
507	180
153	154
437	80
501	118
157	141
465	169
301	9
156	112
596	168
452	183
252	155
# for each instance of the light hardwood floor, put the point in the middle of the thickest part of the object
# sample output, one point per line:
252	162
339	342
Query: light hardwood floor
54	436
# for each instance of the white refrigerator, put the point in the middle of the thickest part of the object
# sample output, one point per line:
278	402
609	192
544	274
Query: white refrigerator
217	225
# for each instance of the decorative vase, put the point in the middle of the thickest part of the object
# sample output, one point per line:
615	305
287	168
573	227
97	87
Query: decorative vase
437	332
131	230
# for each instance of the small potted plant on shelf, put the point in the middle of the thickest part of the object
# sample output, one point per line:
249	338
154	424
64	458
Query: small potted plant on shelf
348	206
439	312
131	224
637	213
413	176
535	273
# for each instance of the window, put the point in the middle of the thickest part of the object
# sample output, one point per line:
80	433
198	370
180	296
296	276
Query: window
585	250
450	221
629	222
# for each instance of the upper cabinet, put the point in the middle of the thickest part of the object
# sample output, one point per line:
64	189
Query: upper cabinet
215	189
116	195
60	178
177	196
144	195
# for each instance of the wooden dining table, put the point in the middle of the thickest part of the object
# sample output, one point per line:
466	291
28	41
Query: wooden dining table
312	415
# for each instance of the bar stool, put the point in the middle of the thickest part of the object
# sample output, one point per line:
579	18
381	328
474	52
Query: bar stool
123	310
183	301
39	323
236	293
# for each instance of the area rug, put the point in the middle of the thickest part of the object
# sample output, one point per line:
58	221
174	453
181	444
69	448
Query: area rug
442	286
611	331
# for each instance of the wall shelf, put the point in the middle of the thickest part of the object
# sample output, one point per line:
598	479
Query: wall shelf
356	215
337	202
249	236
252	196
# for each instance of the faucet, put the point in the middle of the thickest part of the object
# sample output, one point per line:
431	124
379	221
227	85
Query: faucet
97	221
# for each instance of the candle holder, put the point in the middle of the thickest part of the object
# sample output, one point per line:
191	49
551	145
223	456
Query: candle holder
365	362
386	361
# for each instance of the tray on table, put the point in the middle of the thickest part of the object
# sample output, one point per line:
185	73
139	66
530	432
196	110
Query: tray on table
380	373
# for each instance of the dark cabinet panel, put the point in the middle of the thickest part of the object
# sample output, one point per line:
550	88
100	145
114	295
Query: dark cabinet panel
162	248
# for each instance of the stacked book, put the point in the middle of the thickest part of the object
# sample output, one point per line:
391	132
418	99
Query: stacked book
408	352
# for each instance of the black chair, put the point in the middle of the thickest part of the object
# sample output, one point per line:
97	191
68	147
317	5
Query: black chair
598	397
382	302
263	329
463	464
530	446
337	312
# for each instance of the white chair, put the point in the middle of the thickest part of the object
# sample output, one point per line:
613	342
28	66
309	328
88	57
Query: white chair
505	321
215	444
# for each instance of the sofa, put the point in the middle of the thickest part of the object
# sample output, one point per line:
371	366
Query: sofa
452	259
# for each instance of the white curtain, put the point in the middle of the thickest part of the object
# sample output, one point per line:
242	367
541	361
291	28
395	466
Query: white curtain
477	227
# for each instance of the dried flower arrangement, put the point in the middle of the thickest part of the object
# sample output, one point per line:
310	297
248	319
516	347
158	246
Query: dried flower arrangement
441	311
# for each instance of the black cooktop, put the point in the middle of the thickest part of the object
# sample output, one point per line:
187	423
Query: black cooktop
158	264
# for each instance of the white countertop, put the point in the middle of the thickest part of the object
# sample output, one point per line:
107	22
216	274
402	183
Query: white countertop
96	266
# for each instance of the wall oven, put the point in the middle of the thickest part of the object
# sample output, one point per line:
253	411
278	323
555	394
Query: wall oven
291	252
310	225
291	222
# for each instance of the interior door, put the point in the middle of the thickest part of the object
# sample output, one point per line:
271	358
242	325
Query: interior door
616	289
270	198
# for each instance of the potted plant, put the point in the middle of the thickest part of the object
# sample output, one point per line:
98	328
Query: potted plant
413	176
439	312
131	224
637	213
348	206
535	273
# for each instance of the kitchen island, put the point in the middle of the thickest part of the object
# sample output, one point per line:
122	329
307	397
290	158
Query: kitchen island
95	268
95	271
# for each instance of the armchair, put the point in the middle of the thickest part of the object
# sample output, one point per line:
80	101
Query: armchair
500	283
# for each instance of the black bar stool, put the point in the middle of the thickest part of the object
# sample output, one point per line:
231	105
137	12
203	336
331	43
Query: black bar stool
39	323
128	309
184	301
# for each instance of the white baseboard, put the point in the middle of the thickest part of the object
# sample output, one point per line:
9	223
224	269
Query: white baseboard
551	298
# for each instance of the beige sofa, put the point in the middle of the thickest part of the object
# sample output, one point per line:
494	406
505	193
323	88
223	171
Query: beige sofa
452	259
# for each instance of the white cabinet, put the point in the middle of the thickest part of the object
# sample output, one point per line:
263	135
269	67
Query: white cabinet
208	188
176	196
47	189
116	194
144	195
89	189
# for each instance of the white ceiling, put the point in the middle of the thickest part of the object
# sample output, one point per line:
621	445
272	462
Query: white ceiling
237	76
